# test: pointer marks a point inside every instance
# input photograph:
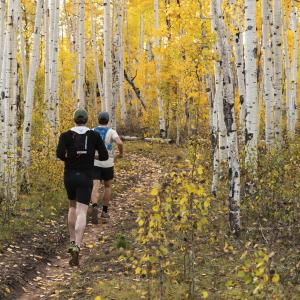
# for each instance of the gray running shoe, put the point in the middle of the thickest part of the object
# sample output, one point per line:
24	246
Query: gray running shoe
94	215
105	217
74	251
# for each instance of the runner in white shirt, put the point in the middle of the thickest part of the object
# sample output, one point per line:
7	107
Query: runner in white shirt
104	170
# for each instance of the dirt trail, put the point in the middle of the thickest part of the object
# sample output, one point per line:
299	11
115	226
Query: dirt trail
135	182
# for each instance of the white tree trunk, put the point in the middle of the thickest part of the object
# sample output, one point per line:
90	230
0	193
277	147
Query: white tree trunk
121	76
293	102
10	154
251	82
81	54
162	123
277	71
214	132
95	51
229	114
287	67
34	63
52	96
2	30
22	47
116	62
218	101
107	61
240	68
47	57
267	74
3	59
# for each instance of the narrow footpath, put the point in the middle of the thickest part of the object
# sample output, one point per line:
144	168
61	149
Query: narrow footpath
134	182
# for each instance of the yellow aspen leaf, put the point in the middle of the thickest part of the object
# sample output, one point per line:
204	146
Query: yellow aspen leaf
155	208
206	204
154	192
141	222
275	278
204	294
138	270
98	298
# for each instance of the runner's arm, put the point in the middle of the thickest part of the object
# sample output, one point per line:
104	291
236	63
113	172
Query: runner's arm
61	150
100	147
119	143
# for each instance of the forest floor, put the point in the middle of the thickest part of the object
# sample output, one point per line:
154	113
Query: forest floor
33	267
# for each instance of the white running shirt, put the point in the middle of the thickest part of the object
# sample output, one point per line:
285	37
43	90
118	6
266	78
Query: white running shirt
110	138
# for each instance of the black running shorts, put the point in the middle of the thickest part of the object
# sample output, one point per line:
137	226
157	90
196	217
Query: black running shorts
79	186
103	173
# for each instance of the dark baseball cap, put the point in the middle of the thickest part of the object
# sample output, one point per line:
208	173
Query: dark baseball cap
103	116
80	116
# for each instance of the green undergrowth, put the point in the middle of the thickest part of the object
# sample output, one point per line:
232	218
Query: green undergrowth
189	253
262	263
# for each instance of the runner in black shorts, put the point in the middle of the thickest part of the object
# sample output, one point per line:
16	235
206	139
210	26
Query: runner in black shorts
103	173
104	170
77	148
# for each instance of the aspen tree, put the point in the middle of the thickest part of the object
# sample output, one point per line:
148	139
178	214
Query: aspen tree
10	152
251	82
240	65
22	47
229	115
2	30
287	66
293	101
214	134
53	64
107	61
47	56
116	62
162	123
81	54
217	113
222	152
121	69
267	71
277	71
34	63
3	59
95	52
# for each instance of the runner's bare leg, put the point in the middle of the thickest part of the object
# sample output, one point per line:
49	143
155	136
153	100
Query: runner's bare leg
96	191
72	219
81	211
107	192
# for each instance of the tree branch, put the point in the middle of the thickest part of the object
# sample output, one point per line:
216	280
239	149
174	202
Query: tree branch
136	90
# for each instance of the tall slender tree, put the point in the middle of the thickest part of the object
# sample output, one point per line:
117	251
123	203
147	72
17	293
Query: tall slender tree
229	115
34	63
81	54
293	101
268	71
107	60
251	82
277	54
95	52
162	122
